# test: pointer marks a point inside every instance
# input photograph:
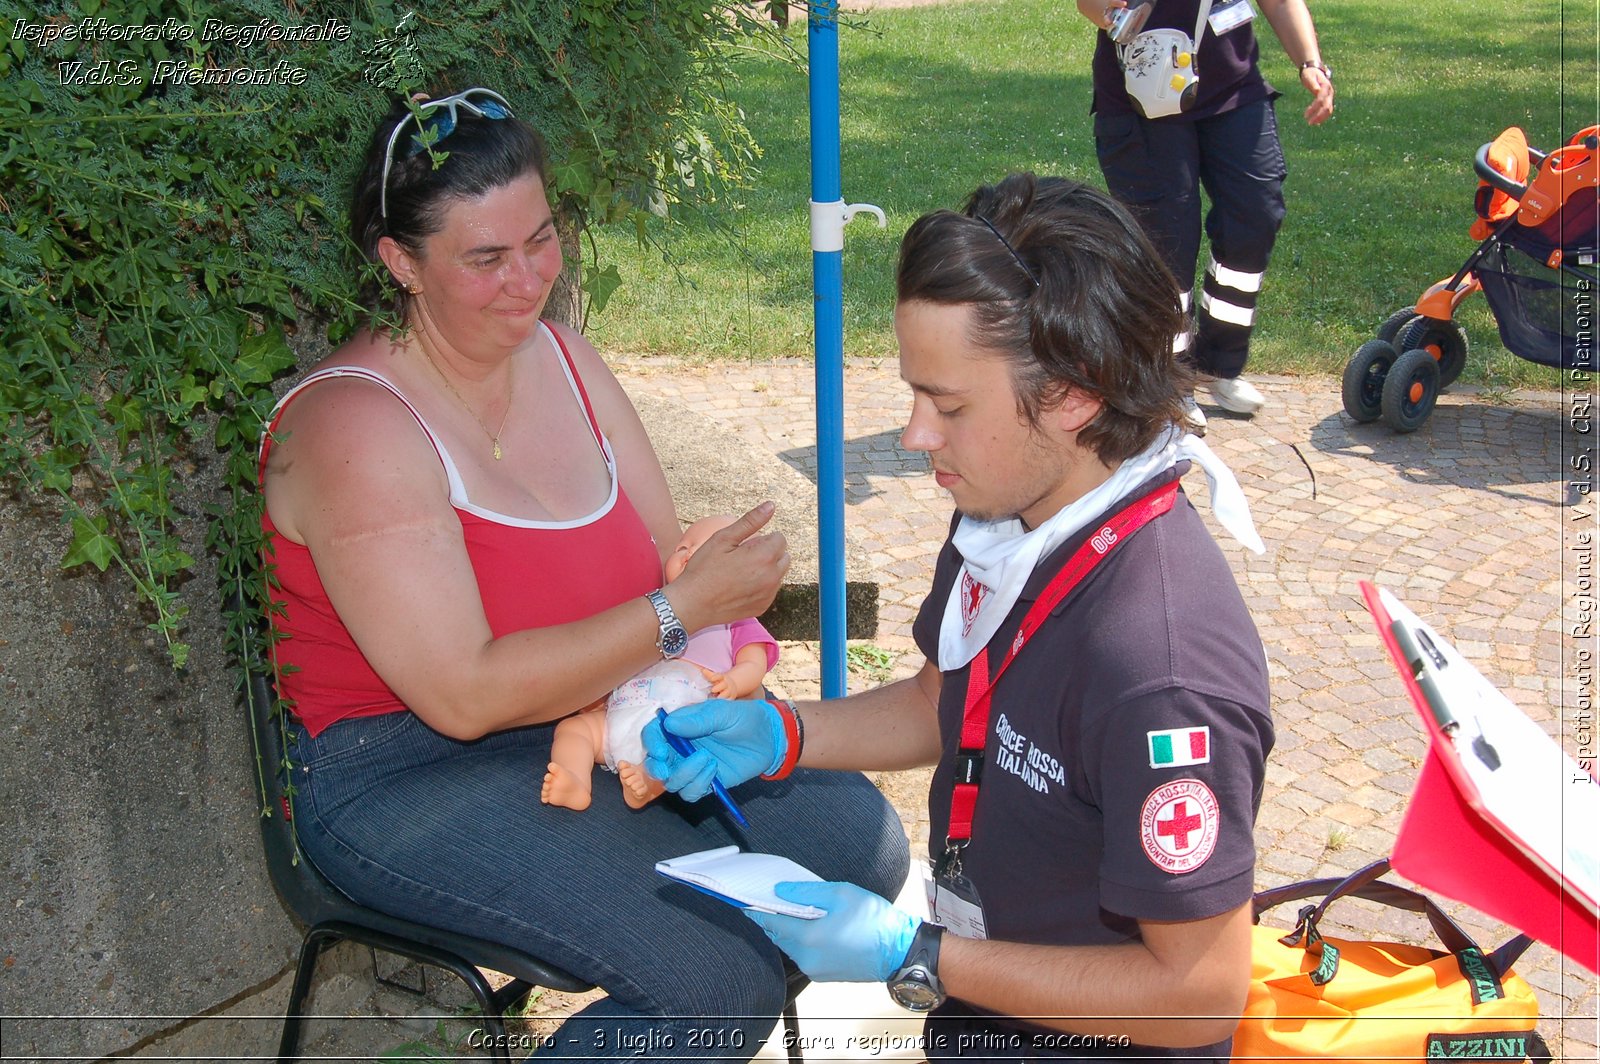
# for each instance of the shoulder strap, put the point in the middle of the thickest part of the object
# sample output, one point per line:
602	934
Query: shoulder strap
1199	28
577	386
1200	22
360	373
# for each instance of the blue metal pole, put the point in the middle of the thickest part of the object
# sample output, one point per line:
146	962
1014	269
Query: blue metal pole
827	271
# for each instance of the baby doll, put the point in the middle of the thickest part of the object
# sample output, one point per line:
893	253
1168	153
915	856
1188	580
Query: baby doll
723	661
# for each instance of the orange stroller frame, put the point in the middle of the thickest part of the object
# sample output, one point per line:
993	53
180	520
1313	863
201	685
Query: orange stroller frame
1540	238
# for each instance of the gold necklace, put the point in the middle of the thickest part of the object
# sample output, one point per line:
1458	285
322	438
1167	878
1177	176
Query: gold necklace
494	437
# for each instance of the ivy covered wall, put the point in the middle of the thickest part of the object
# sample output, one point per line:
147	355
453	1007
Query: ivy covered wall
173	179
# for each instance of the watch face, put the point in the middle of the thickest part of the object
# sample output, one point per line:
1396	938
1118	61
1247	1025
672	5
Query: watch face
674	641
912	990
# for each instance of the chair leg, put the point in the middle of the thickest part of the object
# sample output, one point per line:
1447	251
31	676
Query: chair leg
490	1010
310	949
512	994
491	1005
791	1024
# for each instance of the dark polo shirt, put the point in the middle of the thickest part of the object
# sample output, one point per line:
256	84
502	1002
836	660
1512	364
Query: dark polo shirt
1076	836
1229	74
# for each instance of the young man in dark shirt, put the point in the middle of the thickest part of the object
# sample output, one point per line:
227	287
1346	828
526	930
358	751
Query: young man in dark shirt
1094	695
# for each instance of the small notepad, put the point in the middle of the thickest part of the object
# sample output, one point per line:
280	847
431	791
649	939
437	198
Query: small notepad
743	879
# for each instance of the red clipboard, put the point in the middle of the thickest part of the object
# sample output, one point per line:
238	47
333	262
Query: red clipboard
1451	840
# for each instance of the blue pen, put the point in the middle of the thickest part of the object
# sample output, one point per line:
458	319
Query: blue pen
686	748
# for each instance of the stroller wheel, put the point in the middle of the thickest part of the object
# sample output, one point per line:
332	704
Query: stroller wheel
1410	390
1390	329
1363	379
1446	341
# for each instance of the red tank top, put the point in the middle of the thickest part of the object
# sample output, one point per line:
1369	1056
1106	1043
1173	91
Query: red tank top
531	574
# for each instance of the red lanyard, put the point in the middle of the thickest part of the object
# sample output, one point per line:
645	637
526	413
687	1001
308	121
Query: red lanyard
980	685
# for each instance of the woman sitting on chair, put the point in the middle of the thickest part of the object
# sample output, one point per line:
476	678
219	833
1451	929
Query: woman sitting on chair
467	528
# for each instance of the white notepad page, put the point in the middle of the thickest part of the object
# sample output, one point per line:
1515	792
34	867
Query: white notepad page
743	879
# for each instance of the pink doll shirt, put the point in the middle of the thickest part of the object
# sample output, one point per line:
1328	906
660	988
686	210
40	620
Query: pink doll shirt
715	648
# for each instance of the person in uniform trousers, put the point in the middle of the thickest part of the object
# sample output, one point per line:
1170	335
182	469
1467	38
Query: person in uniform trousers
1226	141
1094	695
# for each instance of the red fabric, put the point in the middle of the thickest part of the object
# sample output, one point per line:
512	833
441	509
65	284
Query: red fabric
1447	846
527	578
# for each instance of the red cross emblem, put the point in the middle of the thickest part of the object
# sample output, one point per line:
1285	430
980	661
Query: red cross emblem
1179	825
972	594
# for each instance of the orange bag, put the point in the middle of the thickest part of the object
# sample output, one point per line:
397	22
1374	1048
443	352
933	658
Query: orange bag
1336	999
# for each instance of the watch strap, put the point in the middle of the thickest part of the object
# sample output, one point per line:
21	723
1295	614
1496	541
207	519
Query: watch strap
925	947
666	617
916	984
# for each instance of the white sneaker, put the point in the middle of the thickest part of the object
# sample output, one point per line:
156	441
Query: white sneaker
1237	395
1193	416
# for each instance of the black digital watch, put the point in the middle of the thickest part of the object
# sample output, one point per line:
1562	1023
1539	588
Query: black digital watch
916	985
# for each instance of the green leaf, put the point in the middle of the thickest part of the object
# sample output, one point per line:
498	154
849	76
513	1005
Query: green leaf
90	544
262	355
600	284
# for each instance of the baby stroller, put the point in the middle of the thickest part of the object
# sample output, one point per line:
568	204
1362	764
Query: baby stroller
1536	265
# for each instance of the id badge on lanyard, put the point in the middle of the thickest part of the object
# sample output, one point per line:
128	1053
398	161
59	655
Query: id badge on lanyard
952	896
953	899
1230	14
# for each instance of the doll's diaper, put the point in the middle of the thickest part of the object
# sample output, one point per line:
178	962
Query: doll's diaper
667	684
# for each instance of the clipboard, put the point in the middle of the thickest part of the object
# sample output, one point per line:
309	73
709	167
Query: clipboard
1501	818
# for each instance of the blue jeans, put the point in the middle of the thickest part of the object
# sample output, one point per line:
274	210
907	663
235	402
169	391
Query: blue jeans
453	834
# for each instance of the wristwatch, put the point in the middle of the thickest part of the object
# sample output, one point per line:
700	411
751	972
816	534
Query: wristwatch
673	640
1317	64
916	985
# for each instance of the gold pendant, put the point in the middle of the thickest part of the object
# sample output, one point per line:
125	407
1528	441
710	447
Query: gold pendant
497	450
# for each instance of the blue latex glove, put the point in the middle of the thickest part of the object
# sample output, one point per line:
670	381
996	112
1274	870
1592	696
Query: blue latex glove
734	742
862	939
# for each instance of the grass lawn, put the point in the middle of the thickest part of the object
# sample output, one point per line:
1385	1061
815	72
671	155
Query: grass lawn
937	100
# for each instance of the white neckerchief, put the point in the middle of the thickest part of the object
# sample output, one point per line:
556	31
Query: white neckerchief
999	556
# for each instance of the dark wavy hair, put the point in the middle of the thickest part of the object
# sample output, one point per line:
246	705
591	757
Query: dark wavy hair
483	154
1065	284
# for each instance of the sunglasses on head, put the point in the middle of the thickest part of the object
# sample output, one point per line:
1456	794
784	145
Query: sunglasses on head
438	121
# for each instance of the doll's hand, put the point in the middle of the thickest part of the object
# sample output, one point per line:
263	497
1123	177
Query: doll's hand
721	686
862	938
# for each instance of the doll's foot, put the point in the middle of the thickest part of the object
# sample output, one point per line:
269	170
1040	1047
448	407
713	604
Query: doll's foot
564	789
639	788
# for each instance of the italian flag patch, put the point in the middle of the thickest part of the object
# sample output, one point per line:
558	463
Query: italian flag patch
1179	747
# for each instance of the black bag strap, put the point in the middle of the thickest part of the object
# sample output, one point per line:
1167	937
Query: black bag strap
1510	952
1365	883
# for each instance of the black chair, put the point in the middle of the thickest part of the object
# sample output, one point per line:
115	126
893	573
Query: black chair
329	916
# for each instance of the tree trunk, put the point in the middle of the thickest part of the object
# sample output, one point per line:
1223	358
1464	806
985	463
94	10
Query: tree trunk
566	303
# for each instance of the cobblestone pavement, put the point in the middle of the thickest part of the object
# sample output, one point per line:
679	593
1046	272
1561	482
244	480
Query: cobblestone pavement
1462	520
